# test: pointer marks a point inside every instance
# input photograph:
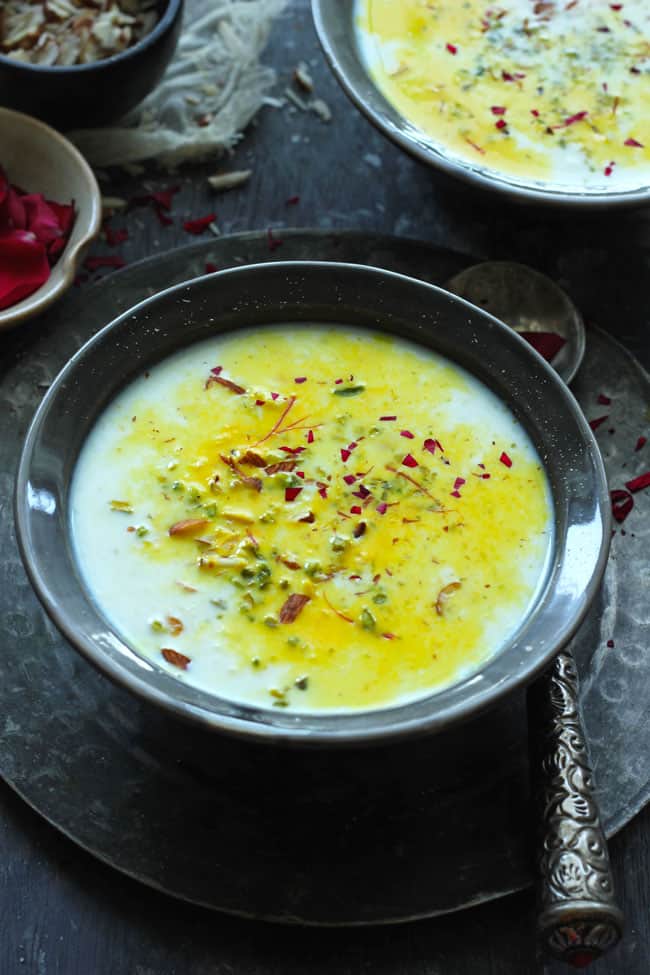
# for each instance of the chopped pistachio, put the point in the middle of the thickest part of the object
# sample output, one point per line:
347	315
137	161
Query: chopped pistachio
367	620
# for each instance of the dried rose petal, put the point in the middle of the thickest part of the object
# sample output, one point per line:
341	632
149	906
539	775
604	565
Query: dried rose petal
273	242
410	461
505	460
548	344
291	493
641	442
24	266
200	225
594	424
639	483
115	237
430	444
622	504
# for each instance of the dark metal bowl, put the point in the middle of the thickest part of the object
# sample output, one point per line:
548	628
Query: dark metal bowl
330	293
334	20
91	94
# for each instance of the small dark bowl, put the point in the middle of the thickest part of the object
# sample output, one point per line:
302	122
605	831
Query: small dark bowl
92	94
276	293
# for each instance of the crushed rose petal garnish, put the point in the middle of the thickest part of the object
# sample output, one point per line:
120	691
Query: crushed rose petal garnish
548	344
622	504
200	225
639	483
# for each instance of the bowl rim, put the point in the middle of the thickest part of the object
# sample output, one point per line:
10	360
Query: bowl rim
49	292
171	11
385	118
248	727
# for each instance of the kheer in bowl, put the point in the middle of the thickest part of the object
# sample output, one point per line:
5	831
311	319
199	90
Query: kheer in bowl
546	102
313	502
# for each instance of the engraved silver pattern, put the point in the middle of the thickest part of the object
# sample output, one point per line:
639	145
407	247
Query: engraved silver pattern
578	912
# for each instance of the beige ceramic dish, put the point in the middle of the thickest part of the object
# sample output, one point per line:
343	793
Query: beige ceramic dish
41	161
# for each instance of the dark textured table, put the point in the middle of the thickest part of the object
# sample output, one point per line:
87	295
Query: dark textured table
63	913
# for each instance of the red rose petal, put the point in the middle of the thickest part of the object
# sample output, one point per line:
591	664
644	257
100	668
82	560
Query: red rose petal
200	225
409	461
24	266
603	400
64	214
639	483
633	144
407	434
273	242
382	508
115	237
505	460
498	110
451	48
594	424
641	442
430	444
548	344
622	504
291	493
387	418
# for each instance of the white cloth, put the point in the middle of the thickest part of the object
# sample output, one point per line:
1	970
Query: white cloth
215	75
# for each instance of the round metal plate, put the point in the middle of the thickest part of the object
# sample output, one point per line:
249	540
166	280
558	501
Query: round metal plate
355	837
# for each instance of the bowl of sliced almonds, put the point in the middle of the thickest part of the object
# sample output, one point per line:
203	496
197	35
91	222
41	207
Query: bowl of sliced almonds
75	63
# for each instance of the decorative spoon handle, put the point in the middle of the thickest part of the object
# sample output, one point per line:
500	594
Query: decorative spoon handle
578	916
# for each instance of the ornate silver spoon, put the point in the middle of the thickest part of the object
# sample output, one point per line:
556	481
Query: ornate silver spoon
578	919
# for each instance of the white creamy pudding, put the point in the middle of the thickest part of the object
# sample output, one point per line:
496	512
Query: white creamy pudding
551	92
311	517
